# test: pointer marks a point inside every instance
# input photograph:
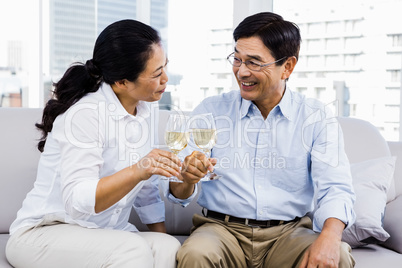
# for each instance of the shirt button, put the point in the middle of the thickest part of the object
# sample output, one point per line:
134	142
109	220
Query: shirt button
259	187
260	212
112	107
117	211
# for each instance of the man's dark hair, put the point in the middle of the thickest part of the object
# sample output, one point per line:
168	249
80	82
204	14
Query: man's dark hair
281	37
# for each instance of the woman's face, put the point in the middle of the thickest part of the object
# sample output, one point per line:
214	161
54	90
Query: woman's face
151	83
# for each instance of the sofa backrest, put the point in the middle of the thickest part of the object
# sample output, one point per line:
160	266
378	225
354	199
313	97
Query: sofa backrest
18	159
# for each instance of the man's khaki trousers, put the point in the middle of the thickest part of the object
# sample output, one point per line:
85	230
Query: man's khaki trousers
215	243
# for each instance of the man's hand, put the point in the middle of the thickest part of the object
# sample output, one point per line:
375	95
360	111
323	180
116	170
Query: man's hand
195	167
325	251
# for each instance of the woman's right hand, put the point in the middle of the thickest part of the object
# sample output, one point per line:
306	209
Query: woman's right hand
112	188
158	162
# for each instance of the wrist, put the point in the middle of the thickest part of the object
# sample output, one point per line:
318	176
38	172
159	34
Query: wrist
135	173
333	227
181	190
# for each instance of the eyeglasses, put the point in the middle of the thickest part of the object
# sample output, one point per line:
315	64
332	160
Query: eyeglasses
252	65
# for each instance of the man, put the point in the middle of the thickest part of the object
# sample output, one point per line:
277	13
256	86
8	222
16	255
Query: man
281	158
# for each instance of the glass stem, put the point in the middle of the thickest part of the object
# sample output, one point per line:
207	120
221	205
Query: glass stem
207	153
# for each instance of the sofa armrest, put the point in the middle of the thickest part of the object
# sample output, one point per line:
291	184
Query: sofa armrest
392	224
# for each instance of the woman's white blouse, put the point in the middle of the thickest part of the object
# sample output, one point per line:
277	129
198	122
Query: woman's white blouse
95	138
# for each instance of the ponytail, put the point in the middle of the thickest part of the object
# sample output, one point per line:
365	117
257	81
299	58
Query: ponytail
76	82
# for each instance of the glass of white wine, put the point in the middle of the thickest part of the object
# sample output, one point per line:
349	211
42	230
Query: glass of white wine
176	136
204	134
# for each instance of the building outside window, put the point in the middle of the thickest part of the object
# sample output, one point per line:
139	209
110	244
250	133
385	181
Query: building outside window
358	46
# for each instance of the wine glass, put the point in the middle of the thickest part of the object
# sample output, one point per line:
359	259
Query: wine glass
176	136
204	135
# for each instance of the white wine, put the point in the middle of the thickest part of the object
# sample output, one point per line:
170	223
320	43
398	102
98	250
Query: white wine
176	141
205	139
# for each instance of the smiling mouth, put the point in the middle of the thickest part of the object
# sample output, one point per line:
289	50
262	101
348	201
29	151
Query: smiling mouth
249	84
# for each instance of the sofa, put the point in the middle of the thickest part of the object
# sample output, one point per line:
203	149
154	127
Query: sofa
364	145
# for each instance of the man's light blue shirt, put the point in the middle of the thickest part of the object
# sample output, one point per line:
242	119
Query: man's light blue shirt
290	164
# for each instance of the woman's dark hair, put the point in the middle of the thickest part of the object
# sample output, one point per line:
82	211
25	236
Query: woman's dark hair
121	52
281	37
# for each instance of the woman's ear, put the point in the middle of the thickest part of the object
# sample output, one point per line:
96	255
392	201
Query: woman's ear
121	84
289	66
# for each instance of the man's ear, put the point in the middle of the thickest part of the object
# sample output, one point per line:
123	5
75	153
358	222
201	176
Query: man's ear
289	66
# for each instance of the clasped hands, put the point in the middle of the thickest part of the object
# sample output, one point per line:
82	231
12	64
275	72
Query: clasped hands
160	162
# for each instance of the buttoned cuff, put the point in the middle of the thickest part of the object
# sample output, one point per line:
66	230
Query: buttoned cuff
152	213
182	202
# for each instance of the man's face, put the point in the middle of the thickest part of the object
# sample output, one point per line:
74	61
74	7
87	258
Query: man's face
264	86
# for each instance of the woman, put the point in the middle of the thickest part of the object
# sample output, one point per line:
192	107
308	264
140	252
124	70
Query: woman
97	162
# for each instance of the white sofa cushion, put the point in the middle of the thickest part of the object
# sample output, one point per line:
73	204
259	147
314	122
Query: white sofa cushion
392	224
363	142
371	181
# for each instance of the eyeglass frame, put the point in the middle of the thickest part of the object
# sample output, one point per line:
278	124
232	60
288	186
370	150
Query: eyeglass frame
248	61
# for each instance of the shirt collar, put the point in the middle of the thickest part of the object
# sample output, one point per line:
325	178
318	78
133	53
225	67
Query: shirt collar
117	110
284	106
245	107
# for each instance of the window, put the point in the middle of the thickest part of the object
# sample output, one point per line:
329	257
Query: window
333	27
337	45
315	61
394	75
17	48
205	90
350	26
316	28
350	60
333	44
302	90
314	45
332	61
393	113
396	40
219	90
319	92
352	44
